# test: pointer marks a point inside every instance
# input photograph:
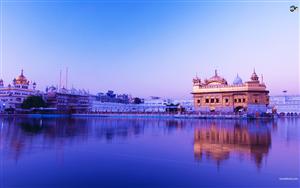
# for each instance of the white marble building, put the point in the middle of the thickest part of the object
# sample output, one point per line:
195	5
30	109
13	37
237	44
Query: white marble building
285	104
12	95
98	106
155	105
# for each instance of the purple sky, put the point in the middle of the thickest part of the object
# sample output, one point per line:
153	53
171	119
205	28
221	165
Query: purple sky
150	48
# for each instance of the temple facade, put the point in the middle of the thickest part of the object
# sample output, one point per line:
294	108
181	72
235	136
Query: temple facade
12	95
216	95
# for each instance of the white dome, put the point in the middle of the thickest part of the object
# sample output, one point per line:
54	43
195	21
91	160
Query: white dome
237	80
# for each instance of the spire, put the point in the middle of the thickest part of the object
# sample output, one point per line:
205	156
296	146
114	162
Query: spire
34	85
22	72
216	73
254	76
196	80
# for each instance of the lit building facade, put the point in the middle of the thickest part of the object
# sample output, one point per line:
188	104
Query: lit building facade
13	95
216	95
67	101
286	104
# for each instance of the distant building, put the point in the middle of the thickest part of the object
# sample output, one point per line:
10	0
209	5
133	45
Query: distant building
152	105
286	104
98	107
111	97
216	95
12	95
68	101
186	104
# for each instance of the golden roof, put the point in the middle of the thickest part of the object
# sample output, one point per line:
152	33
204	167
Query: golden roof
216	80
21	79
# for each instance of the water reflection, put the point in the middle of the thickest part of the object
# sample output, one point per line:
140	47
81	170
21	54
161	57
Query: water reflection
213	140
26	135
37	152
218	141
21	135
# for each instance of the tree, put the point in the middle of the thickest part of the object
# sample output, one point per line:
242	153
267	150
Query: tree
137	100
33	102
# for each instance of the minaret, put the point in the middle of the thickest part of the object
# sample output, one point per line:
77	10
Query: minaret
34	85
254	76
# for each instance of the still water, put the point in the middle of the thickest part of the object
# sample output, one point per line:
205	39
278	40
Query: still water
116	152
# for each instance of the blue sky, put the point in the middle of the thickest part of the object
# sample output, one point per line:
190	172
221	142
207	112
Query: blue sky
150	48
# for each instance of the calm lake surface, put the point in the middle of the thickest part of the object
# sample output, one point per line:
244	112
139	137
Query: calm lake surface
116	152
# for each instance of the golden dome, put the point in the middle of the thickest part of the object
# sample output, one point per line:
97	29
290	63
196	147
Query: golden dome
21	79
216	80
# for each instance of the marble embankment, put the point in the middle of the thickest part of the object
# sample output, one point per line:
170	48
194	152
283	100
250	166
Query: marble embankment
178	116
145	115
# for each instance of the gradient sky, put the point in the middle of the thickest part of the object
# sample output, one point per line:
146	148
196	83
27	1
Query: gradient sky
151	47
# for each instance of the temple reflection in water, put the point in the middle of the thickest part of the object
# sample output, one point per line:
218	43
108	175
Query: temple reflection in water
213	140
218	142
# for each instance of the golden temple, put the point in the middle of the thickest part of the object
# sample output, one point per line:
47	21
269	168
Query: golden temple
216	95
